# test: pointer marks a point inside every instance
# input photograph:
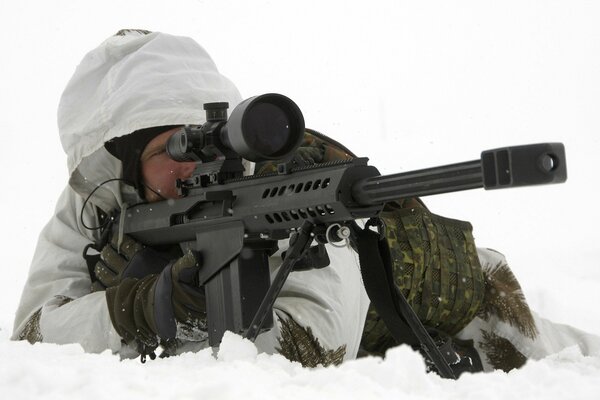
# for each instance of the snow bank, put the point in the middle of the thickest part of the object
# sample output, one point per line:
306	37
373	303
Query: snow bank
237	371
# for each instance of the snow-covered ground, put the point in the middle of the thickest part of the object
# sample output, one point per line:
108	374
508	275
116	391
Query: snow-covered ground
408	84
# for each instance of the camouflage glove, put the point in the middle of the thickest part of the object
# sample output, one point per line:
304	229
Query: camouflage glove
316	148
130	260
159	306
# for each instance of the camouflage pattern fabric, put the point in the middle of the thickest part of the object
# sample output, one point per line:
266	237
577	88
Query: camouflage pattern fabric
32	332
298	343
500	352
435	265
505	300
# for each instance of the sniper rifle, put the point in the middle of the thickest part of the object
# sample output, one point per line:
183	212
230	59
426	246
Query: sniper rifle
233	222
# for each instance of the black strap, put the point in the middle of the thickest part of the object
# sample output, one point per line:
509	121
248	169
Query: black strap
391	305
378	283
92	259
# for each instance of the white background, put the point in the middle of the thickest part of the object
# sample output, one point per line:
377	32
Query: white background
408	84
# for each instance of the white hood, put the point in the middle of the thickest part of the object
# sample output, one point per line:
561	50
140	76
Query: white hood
133	80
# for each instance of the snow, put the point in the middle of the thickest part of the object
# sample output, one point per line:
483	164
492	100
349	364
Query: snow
238	371
409	84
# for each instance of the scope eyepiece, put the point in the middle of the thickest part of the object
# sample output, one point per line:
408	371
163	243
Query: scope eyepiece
180	146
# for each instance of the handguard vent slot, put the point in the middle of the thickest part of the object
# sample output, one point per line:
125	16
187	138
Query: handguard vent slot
300	213
288	190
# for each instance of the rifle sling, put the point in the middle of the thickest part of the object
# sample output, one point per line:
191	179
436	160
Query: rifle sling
377	284
92	259
375	262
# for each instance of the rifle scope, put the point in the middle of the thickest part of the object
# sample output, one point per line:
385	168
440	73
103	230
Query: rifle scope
265	127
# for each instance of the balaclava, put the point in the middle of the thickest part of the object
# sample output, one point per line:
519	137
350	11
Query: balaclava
129	149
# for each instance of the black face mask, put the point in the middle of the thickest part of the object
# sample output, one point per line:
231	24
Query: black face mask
129	149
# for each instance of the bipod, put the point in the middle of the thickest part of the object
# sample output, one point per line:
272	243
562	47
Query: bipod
300	243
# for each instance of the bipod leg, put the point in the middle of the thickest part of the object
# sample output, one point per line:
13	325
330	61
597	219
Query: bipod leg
426	342
300	243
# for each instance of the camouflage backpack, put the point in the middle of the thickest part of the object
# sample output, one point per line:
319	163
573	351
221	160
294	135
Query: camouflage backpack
436	267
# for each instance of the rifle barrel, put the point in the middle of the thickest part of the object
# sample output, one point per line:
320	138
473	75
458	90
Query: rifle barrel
444	179
532	164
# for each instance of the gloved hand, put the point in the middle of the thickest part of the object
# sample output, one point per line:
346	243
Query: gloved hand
313	150
158	306
131	260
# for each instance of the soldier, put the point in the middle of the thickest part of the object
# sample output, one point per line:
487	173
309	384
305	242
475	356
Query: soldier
126	98
115	116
